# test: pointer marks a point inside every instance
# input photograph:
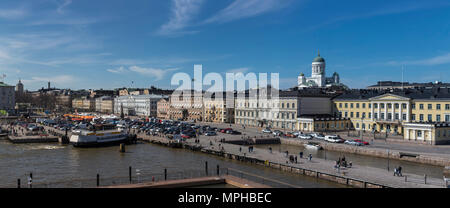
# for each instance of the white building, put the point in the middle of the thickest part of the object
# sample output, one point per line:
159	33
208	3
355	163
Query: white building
7	97
318	76
140	105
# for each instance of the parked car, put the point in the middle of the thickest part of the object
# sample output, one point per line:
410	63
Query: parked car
235	132
277	133
266	131
361	141
210	133
318	136
333	139
353	142
305	136
290	134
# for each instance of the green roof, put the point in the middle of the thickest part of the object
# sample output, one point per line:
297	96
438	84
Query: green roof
319	59
4	85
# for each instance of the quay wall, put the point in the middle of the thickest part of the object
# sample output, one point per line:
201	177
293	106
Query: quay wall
307	172
382	153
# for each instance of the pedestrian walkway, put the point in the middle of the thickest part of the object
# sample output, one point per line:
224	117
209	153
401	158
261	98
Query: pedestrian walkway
370	174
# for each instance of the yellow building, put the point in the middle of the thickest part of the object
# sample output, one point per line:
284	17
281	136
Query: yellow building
217	111
323	124
379	111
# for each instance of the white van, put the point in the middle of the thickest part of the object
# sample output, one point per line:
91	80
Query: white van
333	138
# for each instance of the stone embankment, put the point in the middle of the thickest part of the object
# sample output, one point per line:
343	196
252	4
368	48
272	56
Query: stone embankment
376	152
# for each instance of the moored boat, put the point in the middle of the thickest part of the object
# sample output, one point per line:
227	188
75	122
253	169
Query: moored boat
100	136
313	146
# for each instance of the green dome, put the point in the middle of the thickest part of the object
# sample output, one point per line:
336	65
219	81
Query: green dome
319	59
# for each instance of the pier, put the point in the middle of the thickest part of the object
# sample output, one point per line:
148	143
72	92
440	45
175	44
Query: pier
356	176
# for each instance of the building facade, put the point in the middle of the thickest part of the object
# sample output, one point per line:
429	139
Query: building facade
7	97
280	112
216	109
163	106
186	106
139	105
389	112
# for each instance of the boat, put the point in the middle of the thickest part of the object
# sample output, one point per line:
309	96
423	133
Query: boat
100	136
313	146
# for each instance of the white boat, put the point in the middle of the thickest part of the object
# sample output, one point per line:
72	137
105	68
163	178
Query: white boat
101	135
313	146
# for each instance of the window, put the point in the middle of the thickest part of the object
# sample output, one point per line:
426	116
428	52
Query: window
413	117
397	116
346	105
430	117
382	115
375	115
357	105
287	105
389	116
438	106
419	133
357	114
382	105
404	106
421	106
363	115
397	106
447	106
363	105
430	106
370	105
389	105
340	105
351	105
351	114
404	116
447	118
438	118
293	105
421	117
413	106
346	114
370	115
375	105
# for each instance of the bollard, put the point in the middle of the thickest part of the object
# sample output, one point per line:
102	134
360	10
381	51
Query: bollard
218	170
122	148
425	179
98	180
30	180
206	168
129	173
165	174
18	183
406	178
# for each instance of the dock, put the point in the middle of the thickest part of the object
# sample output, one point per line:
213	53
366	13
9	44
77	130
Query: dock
356	176
32	139
195	182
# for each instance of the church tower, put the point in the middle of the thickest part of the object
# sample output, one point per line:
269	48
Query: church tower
318	70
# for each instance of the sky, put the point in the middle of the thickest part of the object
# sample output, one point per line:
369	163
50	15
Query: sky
85	44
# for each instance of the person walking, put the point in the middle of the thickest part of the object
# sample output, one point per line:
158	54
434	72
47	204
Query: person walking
301	154
310	157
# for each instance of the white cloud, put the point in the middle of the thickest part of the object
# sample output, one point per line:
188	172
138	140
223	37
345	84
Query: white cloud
118	70
12	13
158	74
63	5
183	12
438	60
247	8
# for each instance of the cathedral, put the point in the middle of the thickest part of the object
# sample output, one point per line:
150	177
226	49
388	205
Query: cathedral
318	77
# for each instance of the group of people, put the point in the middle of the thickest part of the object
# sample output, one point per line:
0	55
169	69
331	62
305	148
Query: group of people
341	162
250	149
398	171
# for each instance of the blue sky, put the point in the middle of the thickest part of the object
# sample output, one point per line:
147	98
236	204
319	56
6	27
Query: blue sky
85	44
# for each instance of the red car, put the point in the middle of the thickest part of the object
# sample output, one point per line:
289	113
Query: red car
360	141
225	130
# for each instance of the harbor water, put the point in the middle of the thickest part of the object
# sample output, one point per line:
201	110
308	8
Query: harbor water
50	163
